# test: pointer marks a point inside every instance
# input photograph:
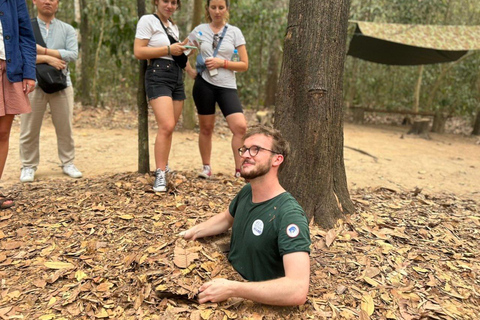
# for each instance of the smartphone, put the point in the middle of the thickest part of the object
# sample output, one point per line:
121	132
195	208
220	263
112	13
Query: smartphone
191	47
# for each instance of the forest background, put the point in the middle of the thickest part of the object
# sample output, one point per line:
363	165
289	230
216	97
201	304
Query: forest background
109	76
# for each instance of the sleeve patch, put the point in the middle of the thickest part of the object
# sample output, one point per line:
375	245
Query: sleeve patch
293	230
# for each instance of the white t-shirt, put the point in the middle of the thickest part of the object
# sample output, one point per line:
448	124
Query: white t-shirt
233	39
2	45
149	27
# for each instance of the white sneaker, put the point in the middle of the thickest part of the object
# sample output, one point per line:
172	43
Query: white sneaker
160	183
27	174
206	172
72	171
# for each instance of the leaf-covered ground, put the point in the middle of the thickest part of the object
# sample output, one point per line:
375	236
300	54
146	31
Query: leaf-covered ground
107	248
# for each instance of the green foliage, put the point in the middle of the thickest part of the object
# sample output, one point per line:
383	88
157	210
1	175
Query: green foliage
393	87
263	23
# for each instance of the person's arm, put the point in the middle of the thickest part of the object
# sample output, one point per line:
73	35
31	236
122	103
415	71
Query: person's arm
53	61
293	287
191	71
240	66
142	51
217	224
70	53
26	41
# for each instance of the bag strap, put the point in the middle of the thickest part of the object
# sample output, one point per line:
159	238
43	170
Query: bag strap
166	32
220	42
37	33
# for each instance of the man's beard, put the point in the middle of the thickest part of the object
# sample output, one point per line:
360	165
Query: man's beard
258	171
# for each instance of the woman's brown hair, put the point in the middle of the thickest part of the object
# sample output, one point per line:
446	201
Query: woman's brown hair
207	15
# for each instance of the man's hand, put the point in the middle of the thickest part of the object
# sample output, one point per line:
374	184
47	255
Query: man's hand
58	64
217	224
216	290
188	234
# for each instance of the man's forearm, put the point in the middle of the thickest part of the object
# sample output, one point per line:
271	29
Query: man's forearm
217	224
280	292
49	52
290	290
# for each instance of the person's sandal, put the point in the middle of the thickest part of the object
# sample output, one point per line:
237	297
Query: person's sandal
4	205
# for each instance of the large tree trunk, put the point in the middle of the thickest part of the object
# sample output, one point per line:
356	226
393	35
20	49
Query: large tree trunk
86	75
142	105
309	107
476	125
188	113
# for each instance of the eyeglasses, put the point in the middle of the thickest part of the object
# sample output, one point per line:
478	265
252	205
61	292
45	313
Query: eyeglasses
253	150
216	37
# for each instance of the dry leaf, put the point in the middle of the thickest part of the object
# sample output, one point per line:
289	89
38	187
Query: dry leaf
80	275
367	304
184	257
330	237
105	286
58	265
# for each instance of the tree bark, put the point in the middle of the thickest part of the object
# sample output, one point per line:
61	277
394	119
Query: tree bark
439	121
142	105
188	112
476	126
97	55
418	89
420	127
309	107
272	76
78	21
85	87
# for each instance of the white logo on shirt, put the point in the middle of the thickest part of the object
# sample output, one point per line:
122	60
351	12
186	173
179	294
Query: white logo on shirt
293	230
257	227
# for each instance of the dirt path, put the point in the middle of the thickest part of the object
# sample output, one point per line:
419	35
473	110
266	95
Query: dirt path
446	163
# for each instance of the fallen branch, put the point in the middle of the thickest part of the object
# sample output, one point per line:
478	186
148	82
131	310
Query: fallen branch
362	152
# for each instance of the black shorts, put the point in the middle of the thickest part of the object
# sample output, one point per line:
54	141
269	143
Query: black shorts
164	78
206	95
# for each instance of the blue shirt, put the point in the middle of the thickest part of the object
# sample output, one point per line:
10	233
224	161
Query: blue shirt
18	39
62	37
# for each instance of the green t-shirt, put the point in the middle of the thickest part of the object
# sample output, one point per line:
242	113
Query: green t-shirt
263	232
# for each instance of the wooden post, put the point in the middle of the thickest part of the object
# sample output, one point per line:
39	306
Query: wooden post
420	127
476	126
358	115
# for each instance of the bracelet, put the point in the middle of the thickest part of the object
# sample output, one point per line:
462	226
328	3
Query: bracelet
168	50
225	64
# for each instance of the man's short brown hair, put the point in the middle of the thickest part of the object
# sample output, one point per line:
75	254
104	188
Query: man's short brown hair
279	144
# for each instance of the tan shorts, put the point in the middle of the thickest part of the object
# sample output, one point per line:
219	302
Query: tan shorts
12	98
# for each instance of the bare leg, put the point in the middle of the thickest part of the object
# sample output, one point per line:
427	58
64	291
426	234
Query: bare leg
5	127
207	124
167	113
238	126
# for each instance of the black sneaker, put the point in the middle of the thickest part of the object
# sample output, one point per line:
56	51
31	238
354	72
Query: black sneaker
160	184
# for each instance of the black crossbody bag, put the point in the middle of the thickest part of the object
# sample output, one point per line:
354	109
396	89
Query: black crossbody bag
49	78
182	59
